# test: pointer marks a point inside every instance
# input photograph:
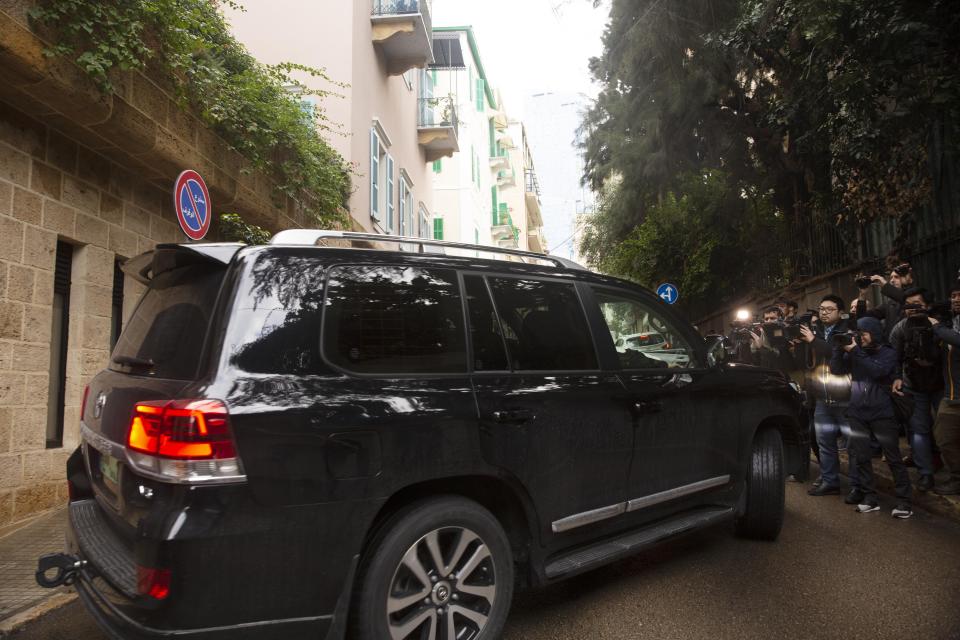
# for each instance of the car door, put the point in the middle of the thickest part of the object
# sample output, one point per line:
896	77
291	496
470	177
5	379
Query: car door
685	421
548	415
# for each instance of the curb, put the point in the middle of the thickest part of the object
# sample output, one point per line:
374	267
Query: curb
34	611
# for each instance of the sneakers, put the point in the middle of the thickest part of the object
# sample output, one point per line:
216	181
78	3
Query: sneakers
925	483
854	497
902	511
823	490
949	488
867	507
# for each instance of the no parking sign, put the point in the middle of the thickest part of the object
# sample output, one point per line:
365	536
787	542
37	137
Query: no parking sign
192	202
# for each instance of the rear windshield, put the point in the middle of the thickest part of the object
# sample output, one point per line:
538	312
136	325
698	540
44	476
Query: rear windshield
165	335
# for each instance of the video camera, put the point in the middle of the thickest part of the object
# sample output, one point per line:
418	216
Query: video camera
919	342
844	338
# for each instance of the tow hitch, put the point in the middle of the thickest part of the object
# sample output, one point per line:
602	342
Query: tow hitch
67	567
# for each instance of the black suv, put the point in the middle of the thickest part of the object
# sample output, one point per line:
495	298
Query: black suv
343	434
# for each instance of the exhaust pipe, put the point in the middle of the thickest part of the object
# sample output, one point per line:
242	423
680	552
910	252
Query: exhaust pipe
67	569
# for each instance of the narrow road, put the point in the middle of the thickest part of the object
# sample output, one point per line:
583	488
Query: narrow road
832	574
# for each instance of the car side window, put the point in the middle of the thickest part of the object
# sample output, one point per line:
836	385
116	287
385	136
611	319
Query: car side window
642	336
394	320
543	325
485	333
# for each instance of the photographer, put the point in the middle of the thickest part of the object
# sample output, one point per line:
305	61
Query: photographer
788	308
770	345
947	427
832	393
919	375
872	365
890	312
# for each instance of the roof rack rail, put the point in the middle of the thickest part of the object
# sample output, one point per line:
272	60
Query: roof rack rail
316	236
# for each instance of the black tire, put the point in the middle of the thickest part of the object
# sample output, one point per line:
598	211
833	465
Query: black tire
762	516
403	550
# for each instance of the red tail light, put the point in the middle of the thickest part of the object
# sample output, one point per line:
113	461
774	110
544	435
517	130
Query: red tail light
153	582
182	429
183	441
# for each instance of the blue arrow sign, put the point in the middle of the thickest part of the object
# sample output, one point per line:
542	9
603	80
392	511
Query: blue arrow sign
668	293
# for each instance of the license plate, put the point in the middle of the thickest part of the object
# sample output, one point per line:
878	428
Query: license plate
110	468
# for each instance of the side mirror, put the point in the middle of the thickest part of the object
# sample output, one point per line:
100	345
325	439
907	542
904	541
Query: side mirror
717	350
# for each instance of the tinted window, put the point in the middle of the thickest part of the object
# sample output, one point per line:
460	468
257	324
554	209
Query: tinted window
397	320
543	324
275	326
165	335
642	337
485	334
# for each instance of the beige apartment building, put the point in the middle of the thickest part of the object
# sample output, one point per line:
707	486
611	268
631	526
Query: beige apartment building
390	127
480	193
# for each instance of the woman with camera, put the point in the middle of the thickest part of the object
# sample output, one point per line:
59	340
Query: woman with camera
872	365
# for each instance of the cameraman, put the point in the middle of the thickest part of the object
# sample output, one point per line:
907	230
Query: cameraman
919	375
872	364
890	312
832	393
947	426
769	346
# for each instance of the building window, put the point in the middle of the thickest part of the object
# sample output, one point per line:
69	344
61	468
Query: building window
494	209
424	223
479	94
438	228
116	314
437	166
381	180
406	206
58	344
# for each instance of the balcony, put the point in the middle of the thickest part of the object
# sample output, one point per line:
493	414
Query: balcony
403	31
505	234
500	160
506	178
437	127
536	240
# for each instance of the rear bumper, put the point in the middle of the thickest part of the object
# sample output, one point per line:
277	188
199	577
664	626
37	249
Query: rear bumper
120	626
106	584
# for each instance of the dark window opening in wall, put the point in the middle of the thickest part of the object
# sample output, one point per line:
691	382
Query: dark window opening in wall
116	315
58	345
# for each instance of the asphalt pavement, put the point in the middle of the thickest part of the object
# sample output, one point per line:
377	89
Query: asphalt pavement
833	573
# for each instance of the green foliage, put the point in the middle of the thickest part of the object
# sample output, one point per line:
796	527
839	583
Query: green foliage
234	229
816	112
697	237
256	108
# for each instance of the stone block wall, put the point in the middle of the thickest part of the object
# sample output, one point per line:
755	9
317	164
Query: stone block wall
54	188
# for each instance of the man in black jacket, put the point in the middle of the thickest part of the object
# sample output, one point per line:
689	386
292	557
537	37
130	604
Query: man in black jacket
832	392
872	365
918	375
891	311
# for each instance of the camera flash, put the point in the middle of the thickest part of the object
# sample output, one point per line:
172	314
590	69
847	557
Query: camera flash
743	315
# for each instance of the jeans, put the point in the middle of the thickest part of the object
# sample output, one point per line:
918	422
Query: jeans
887	433
947	431
920	432
829	423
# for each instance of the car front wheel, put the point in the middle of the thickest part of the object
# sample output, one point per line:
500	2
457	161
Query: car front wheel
762	516
441	569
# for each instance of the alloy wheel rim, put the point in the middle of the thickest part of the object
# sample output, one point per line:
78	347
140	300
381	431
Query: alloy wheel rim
444	587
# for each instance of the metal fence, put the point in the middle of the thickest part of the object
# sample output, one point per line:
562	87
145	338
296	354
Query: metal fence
399	7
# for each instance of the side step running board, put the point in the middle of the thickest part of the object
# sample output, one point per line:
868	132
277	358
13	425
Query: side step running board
634	541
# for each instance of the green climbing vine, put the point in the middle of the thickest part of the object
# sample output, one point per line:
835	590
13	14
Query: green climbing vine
265	112
234	229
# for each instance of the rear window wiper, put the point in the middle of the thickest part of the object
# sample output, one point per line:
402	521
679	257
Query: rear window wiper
133	361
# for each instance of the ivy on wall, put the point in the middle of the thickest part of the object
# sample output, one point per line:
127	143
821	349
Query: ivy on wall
259	110
234	229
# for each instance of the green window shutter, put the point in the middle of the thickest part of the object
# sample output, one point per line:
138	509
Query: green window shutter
479	94
438	228
493	139
390	191
493	205
374	175
470	81
437	168
433	76
473	165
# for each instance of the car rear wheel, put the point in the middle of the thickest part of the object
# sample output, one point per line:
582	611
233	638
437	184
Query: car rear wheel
762	516
440	570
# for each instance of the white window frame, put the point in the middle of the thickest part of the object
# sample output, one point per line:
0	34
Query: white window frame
406	203
426	228
374	174
381	177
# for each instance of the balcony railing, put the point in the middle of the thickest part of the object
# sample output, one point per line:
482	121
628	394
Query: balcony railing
437	126
403	29
532	196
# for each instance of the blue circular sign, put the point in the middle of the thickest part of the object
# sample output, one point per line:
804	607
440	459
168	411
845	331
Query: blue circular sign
192	202
668	292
